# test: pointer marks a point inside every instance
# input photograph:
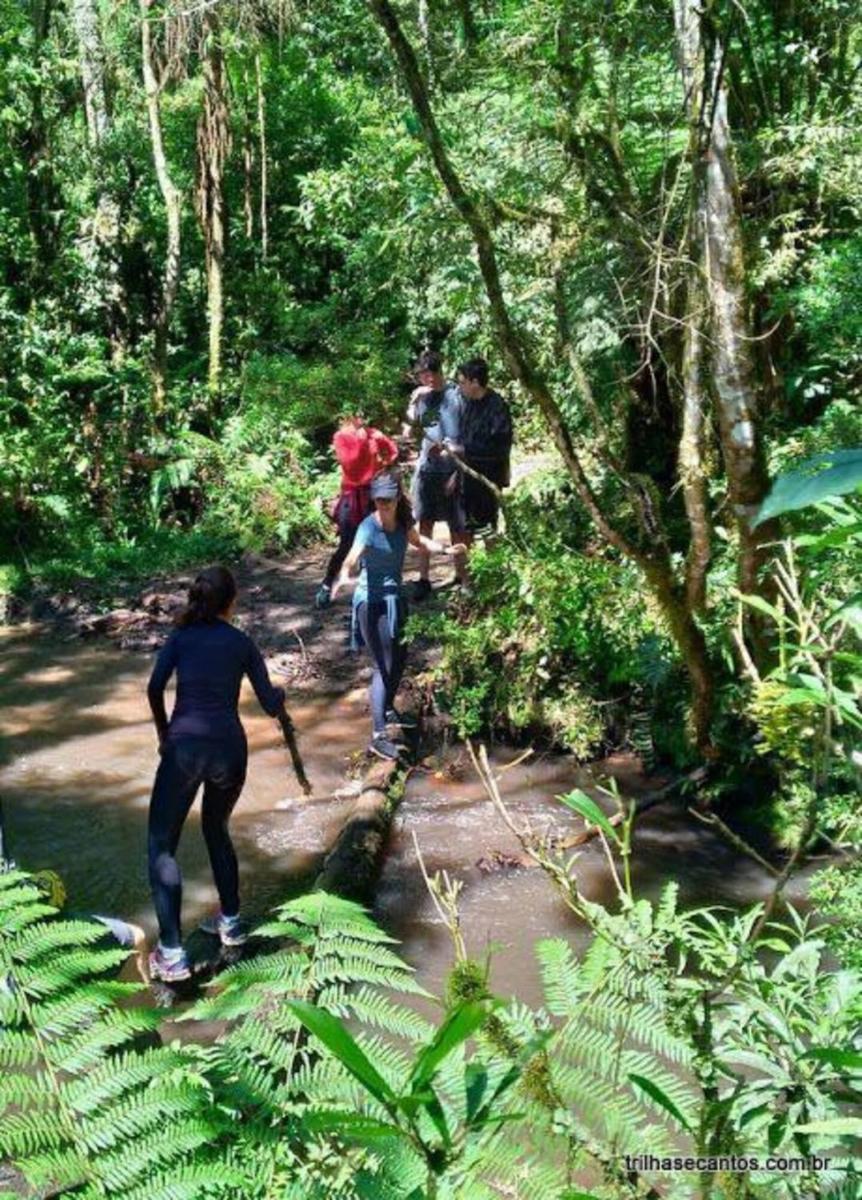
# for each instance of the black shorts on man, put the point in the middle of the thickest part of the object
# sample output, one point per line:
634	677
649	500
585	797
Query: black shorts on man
431	502
481	506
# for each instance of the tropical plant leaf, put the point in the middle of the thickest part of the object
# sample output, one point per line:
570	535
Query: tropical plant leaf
661	1098
458	1026
587	808
817	479
839	1126
336	1038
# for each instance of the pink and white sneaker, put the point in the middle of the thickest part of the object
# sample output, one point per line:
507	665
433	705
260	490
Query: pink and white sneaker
168	965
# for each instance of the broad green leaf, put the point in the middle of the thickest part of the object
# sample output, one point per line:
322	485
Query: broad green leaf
835	537
849	1060
475	1086
839	1126
582	804
350	1125
336	1038
761	605
434	1109
815	480
458	1026
661	1098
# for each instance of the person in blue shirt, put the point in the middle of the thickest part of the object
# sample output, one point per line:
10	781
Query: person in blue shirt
202	743
379	607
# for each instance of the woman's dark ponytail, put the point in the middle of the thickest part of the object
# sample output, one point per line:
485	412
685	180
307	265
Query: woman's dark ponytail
209	596
404	513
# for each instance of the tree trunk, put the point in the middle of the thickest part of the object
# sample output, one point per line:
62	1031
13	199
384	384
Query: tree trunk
692	472
213	147
247	162
692	466
469	32
262	154
104	235
655	562
721	264
732	359
172	201
42	197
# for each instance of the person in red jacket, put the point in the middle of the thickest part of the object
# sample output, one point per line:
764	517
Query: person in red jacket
361	451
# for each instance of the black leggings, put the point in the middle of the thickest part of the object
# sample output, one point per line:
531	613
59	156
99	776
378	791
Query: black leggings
347	527
388	654
187	763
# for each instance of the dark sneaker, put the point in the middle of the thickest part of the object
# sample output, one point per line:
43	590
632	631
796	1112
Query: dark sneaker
421	589
400	720
323	597
170	968
384	747
229	930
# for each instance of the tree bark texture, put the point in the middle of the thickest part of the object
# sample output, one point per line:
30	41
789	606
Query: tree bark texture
247	162
654	562
719	259
42	193
213	147
105	231
172	200
262	154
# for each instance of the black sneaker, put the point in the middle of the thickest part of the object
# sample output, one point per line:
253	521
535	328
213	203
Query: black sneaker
384	747
421	589
400	720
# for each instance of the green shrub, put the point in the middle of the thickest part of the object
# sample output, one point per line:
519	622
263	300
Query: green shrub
549	642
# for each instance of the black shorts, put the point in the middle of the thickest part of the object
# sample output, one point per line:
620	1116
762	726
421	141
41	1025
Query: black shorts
481	506
430	502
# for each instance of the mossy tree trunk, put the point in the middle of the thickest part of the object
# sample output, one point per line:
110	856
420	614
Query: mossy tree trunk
213	148
104	233
173	214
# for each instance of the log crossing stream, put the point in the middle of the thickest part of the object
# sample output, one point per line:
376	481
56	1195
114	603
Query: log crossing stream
79	755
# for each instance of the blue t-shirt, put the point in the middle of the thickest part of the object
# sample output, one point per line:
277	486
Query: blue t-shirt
440	415
210	659
382	560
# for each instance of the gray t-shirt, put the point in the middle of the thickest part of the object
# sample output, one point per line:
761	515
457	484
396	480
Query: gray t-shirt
439	413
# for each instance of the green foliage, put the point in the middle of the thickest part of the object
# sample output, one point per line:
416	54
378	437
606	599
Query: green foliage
326	1084
549	640
82	1106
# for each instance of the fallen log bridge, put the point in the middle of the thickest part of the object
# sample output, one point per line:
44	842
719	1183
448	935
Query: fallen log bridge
351	867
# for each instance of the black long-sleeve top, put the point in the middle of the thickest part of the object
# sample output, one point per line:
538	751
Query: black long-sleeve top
486	429
210	659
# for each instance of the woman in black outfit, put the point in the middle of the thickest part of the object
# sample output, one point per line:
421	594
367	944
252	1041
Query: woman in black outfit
203	743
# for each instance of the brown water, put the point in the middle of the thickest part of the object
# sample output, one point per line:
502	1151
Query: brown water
507	910
79	755
78	759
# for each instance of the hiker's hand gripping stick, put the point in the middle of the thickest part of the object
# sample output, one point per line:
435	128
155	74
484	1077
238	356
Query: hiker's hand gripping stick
289	733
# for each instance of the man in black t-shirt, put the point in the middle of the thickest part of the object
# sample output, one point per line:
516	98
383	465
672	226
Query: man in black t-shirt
486	435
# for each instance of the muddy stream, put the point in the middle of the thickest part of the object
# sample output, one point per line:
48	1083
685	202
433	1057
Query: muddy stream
78	756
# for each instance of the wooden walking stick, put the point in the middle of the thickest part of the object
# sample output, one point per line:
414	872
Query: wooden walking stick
289	732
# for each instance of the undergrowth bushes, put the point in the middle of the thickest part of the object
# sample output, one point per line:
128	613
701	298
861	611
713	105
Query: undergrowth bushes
555	640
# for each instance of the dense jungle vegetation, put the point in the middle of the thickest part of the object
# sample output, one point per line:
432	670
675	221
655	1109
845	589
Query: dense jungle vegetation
225	225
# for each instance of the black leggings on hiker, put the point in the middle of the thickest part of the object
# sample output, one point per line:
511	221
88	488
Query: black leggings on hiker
388	654
347	524
186	763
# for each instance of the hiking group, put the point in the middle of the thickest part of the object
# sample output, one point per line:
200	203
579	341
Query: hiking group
466	438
